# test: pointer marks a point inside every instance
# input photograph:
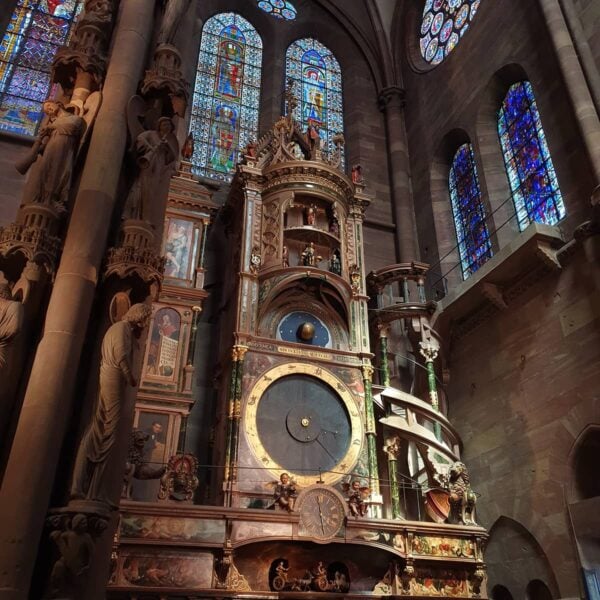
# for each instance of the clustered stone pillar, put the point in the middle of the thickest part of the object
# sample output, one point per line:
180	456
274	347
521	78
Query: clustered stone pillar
429	353
234	413
391	102
583	104
31	468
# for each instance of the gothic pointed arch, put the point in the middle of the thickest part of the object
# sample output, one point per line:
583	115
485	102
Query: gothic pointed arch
317	82
533	181
36	30
472	234
226	94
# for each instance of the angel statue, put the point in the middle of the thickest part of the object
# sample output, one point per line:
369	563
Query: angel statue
155	152
51	160
356	498
285	492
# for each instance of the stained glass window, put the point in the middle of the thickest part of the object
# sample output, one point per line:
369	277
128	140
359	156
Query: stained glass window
226	94
472	233
528	163
317	81
444	22
279	9
36	30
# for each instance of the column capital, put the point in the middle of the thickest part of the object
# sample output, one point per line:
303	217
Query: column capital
390	95
428	351
368	372
238	352
392	447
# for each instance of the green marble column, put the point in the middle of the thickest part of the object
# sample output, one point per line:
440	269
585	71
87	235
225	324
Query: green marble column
392	449
384	368
429	353
370	430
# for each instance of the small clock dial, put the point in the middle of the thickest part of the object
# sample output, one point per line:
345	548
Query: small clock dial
303	328
303	425
321	513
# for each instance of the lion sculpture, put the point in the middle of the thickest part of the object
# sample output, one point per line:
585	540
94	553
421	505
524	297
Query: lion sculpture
462	498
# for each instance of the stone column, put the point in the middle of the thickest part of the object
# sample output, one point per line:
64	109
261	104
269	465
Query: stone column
576	84
429	353
391	102
29	477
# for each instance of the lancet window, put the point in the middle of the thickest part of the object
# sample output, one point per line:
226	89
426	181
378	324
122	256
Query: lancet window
36	30
226	94
317	82
529	167
468	211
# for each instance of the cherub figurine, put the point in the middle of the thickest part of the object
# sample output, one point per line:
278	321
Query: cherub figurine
285	493
356	499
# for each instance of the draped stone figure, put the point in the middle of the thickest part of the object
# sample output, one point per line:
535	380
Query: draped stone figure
174	12
115	374
155	153
11	322
52	157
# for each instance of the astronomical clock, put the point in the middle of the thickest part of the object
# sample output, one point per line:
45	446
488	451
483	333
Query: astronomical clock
321	479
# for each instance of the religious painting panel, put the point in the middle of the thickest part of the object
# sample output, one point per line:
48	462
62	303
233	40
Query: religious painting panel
172	529
180	249
159	446
146	568
164	346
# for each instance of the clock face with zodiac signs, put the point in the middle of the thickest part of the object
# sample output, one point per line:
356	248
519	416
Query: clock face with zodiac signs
321	512
303	420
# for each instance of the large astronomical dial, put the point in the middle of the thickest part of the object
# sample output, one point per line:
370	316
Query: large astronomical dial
303	420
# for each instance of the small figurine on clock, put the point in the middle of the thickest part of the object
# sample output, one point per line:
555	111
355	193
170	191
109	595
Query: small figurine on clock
285	493
356	498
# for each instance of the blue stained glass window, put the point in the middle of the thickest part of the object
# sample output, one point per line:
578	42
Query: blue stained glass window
443	24
317	80
472	233
528	163
37	29
226	94
280	9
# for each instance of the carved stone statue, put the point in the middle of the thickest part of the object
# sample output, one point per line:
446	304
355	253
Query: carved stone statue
115	374
285	493
169	26
155	154
310	215
76	547
188	147
462	498
136	467
52	157
11	323
334	221
357	176
285	257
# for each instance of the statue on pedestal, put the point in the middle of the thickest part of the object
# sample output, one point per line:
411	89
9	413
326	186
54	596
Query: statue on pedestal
357	497
155	153
115	374
76	547
335	264
52	157
11	323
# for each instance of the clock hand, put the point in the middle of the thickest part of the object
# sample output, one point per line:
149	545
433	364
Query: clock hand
321	515
324	448
334	433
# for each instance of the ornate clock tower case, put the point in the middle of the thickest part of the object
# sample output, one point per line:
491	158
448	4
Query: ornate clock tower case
299	396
